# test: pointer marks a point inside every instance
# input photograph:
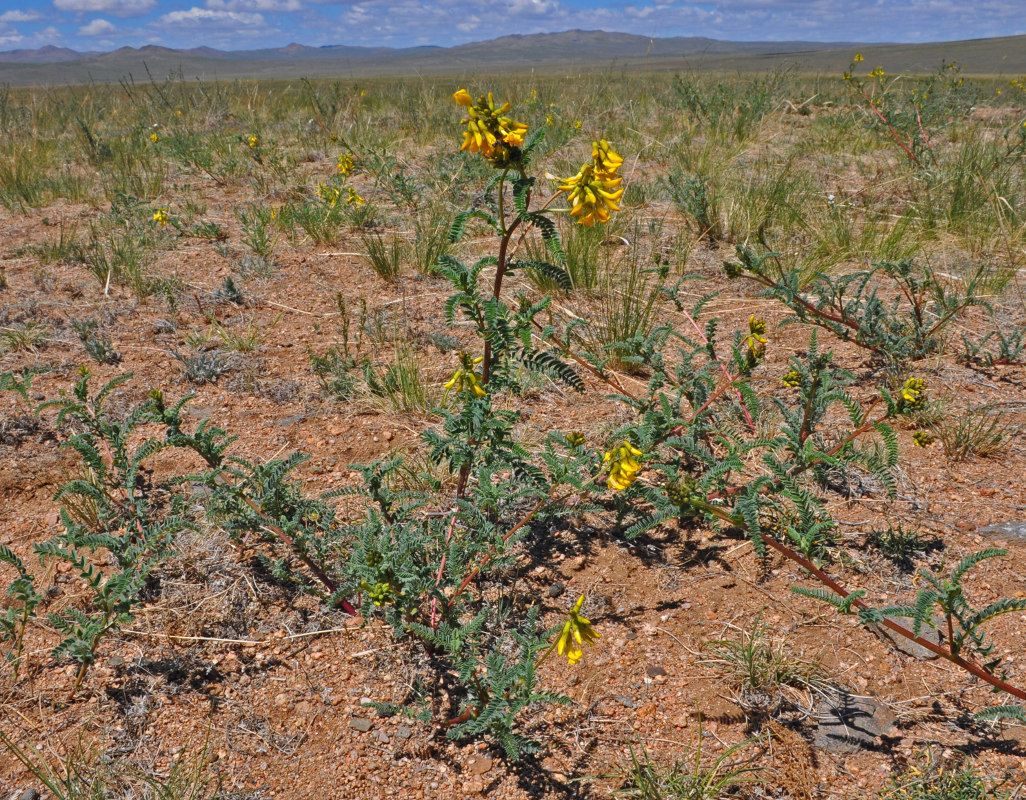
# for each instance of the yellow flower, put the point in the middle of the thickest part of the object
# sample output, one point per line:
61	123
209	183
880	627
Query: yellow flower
253	140
161	217
345	164
922	438
593	195
379	593
623	466
792	379
575	439
576	631
858	58
756	339
604	158
465	379
578	125
154	138
913	394
877	73
329	194
488	130
178	112
352	198
550	120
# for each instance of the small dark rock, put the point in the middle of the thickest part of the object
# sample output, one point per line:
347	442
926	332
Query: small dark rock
29	794
557	589
361	724
656	672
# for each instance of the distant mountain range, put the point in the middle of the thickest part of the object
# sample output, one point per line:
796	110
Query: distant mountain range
575	50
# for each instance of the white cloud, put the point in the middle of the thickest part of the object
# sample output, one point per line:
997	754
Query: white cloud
98	27
119	8
203	18
17	15
255	5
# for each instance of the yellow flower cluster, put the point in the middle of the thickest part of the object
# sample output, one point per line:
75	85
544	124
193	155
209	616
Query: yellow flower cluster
595	190
253	140
923	438
161	217
792	379
623	466
380	593
332	194
488	130
345	164
576	631
465	379
756	339
913	393
154	138
329	194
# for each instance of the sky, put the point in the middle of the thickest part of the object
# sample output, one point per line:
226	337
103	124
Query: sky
247	24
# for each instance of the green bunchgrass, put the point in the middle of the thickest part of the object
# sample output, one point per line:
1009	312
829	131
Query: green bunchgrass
759	669
403	386
628	290
386	254
24	336
982	431
692	777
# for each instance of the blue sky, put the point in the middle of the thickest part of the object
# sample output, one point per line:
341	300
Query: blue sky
244	24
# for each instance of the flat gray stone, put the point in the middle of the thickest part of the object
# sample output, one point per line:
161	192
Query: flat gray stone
907	646
1005	530
848	723
360	724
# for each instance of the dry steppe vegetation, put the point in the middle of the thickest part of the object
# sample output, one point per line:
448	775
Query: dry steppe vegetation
793	358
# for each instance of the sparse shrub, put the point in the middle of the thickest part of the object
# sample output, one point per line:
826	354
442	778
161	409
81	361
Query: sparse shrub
97	344
206	367
334	372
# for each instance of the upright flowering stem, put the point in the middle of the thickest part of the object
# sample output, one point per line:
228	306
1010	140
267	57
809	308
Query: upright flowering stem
500	267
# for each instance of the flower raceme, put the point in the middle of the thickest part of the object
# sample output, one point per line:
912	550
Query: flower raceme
913	394
576	631
623	466
161	217
595	191
465	379
488	130
756	339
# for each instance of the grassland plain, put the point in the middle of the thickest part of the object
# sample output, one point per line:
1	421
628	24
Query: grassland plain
284	251
565	53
